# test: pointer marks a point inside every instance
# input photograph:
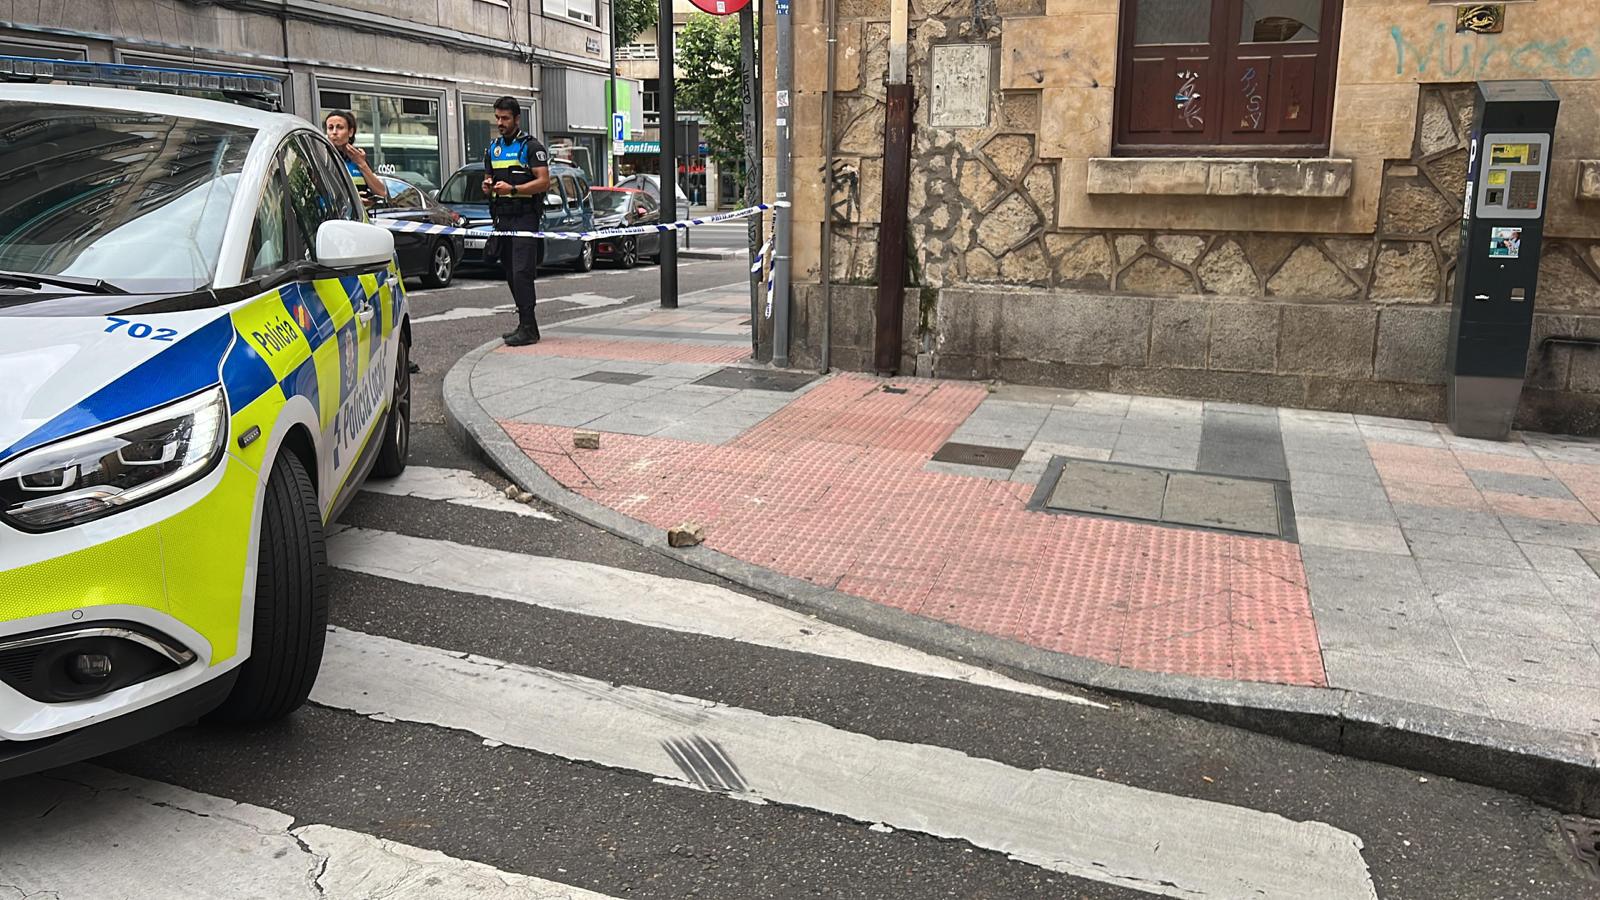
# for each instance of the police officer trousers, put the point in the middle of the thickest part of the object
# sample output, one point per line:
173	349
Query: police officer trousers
519	257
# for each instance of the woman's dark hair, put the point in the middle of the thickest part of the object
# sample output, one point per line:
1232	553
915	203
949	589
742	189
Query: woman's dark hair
349	119
510	105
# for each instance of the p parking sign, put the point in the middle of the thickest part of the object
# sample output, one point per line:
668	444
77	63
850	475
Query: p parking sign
619	126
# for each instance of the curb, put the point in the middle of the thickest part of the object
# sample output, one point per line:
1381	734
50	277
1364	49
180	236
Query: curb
711	253
1554	768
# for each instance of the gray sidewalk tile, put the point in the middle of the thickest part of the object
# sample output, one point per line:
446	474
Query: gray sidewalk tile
1446	520
626	393
1392	423
995	434
1160	458
511	404
1545	704
1329	464
1243	409
1041	396
1100	403
683	397
1513	447
1361	581
486	384
622	422
564	416
1403	436
1080	420
1535	659
1316	415
1454	580
1010	412
1073	437
1166	407
1398	637
1259	460
1580	594
1509	617
1350	535
1526	485
1499	552
1184	432
1028	472
1041	452
1352	507
1556	560
1546	531
1443	686
663	383
1366	485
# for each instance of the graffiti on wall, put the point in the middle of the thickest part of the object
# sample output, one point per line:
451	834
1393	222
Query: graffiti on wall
1473	57
846	178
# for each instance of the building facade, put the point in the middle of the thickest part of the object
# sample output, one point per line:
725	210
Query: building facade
1251	200
639	59
420	77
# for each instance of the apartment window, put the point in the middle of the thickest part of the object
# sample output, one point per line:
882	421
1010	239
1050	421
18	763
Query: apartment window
1237	75
650	101
581	10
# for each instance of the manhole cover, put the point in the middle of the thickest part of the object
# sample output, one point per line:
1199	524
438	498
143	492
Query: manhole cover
1231	504
757	380
612	377
1583	839
1180	499
978	455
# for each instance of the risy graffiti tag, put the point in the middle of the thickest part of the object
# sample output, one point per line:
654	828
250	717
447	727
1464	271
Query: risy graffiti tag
1188	99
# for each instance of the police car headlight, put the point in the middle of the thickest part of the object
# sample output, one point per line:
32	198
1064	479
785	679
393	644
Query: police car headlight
121	465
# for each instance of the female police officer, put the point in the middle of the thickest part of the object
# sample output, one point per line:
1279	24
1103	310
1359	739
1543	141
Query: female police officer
340	127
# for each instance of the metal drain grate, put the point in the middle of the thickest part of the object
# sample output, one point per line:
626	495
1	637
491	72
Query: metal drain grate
1583	839
978	455
1166	497
612	377
757	379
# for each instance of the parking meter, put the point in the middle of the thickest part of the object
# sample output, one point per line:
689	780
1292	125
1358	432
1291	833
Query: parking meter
1497	269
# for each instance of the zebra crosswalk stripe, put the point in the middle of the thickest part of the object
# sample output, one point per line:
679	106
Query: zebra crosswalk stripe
642	599
209	847
1085	827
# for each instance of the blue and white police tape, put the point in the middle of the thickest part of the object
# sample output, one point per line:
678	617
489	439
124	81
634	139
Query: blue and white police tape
681	224
760	257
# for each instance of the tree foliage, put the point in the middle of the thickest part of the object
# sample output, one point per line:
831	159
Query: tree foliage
633	18
707	53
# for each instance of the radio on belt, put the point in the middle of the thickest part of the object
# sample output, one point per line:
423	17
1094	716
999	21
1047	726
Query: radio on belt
1497	270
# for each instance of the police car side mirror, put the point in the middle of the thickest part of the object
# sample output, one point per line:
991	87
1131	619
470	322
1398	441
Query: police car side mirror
342	244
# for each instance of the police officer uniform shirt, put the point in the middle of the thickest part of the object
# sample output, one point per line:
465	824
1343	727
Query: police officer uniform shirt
513	162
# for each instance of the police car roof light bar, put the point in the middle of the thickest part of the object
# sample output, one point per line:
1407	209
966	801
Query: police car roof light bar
262	90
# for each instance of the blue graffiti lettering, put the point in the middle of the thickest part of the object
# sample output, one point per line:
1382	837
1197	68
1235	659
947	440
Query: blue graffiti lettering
1476	56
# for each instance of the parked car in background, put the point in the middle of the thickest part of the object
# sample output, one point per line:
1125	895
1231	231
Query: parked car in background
624	208
431	257
566	208
651	185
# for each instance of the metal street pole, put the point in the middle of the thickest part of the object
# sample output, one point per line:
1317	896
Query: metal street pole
669	156
752	160
612	156
782	219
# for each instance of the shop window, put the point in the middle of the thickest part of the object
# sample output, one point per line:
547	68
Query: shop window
399	134
1232	75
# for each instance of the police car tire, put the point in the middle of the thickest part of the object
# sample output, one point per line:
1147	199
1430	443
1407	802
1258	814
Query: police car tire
289	628
396	446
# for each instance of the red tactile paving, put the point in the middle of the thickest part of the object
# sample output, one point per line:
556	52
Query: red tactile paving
832	489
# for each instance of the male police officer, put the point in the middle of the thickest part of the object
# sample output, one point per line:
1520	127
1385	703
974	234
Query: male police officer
340	127
516	175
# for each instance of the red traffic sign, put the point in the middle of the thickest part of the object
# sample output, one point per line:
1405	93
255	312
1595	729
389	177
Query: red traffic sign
720	7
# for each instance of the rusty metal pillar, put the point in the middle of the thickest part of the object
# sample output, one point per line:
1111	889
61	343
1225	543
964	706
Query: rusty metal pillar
892	230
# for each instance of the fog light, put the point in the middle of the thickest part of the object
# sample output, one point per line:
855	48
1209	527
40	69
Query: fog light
90	668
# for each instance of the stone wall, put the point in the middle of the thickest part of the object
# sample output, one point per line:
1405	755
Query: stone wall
1250	286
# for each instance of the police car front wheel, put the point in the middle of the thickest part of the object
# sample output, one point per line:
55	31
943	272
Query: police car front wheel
289	627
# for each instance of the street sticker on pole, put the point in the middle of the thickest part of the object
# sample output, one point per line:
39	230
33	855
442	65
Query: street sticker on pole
720	7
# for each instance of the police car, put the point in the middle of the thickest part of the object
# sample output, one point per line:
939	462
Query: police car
203	351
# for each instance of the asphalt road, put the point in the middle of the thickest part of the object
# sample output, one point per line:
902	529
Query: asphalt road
516	704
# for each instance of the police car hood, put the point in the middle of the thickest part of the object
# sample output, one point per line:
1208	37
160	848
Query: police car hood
63	374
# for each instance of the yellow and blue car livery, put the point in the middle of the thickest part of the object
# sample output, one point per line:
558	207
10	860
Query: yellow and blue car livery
210	390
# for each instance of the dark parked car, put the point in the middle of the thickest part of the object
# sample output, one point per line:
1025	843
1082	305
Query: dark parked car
625	208
431	257
566	208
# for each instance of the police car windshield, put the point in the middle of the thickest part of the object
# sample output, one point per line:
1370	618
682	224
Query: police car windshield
134	200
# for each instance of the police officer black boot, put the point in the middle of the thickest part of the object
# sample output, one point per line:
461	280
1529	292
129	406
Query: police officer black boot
527	331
